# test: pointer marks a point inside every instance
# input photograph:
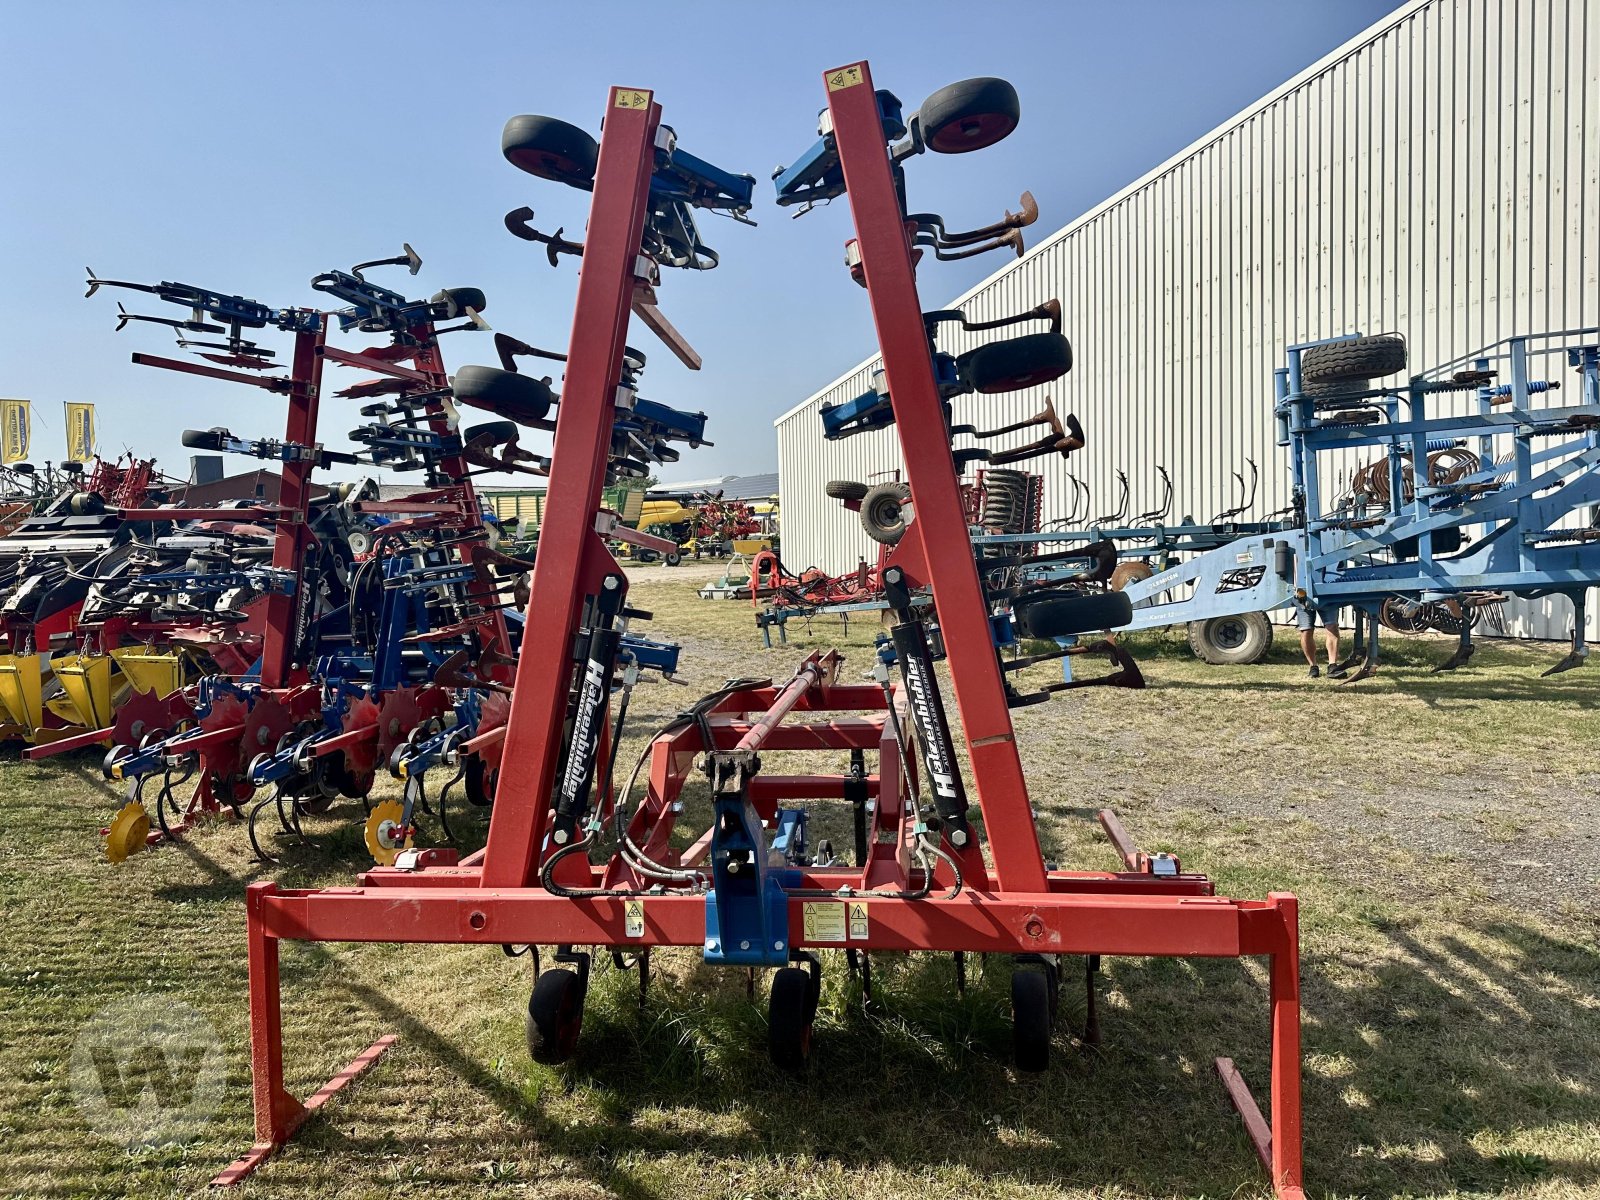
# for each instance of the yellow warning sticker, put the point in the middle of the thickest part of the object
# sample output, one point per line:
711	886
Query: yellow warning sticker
824	921
858	920
632	98
844	77
633	918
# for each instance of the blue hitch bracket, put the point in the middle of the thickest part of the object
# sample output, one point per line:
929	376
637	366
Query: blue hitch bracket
747	908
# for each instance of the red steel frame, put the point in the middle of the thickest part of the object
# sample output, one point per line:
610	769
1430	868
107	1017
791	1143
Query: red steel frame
1017	907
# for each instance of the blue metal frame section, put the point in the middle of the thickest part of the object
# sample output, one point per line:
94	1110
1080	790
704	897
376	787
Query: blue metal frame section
816	175
1506	527
747	908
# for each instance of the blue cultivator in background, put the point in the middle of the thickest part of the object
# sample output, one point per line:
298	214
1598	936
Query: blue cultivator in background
1461	509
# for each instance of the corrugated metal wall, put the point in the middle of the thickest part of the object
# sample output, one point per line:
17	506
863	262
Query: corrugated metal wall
1438	176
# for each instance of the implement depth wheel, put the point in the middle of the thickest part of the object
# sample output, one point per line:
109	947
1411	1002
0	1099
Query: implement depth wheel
555	1016
1032	1016
886	511
1239	640
791	1011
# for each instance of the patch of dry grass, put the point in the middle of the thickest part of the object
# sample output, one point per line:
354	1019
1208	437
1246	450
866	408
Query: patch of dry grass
1452	997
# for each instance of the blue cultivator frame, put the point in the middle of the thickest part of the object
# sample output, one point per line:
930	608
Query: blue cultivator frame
1514	524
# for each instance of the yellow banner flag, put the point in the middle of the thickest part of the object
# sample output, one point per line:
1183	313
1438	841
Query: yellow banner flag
14	423
80	431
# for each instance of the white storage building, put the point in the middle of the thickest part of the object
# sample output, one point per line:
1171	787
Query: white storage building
1438	175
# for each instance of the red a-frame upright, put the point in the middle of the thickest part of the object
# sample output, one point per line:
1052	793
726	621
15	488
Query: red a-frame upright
1010	903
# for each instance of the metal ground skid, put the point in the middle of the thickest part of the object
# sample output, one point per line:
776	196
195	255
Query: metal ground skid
1009	902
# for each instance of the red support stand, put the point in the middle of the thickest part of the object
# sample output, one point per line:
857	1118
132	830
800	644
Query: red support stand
572	557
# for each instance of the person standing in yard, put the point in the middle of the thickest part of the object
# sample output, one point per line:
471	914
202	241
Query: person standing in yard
1327	615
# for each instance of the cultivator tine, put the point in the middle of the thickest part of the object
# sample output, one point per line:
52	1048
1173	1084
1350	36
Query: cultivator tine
517	222
1049	311
941	238
1463	651
250	826
510	348
1011	239
1369	661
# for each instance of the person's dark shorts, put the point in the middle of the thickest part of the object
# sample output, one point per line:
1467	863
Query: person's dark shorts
1327	615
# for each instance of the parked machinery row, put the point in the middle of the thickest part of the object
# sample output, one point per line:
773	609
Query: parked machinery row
316	640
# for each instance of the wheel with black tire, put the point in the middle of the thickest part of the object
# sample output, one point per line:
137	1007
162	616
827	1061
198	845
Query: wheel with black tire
1237	640
969	115
791	1013
494	433
1015	363
644	556
516	397
458	300
673	558
203	439
550	149
1031	1019
555	1016
1063	614
845	489
886	511
1347	365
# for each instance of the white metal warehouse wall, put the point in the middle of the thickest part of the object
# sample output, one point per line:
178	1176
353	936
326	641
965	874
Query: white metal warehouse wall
1439	175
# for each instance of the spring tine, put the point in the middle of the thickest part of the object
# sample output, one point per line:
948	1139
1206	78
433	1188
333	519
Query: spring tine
1011	221
1011	238
255	842
1050	311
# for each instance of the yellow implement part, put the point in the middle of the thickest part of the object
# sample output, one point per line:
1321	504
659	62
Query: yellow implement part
150	670
129	830
22	690
86	680
386	837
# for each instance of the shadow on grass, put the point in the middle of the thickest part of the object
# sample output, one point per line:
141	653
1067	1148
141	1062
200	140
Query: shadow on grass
1433	1065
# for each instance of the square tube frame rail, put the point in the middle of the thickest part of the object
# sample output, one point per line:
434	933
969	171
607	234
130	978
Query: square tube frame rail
1021	907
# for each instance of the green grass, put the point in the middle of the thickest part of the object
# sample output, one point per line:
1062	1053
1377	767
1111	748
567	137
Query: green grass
1452	998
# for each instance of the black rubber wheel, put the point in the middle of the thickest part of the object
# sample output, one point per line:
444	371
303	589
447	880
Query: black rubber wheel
969	115
519	398
496	433
1030	1019
555	1016
791	1011
644	556
845	489
883	512
1237	640
1014	363
478	784
203	439
1354	361
673	558
550	149
1062	614
458	300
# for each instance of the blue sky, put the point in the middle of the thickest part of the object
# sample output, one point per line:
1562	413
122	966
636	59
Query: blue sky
248	147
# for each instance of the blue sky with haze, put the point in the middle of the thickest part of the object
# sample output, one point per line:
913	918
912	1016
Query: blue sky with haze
248	147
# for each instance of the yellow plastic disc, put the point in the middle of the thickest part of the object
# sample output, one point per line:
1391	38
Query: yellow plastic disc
386	837
129	829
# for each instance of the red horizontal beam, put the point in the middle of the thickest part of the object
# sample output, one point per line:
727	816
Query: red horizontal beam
272	383
1061	924
392	369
